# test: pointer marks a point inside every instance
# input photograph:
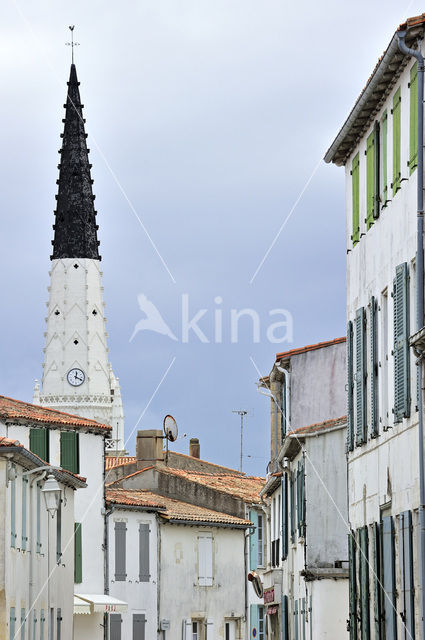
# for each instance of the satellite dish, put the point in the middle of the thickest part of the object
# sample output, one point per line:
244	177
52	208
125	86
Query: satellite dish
170	428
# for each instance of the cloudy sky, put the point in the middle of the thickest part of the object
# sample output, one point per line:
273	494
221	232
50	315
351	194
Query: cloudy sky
206	120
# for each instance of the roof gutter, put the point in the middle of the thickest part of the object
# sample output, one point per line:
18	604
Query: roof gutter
201	523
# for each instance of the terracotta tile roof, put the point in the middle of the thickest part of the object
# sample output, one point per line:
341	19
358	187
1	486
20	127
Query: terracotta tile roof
319	426
134	498
117	461
16	410
310	347
213	465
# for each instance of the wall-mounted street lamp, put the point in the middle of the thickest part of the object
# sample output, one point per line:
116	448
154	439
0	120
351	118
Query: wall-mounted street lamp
52	493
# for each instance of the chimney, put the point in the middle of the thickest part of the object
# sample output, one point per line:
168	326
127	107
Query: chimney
194	448
149	449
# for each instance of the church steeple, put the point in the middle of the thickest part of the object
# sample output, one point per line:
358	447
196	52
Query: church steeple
75	216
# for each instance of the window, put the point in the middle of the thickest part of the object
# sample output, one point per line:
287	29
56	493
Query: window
39	443
261	623
195	630
70	455
355	200
24	537
260	541
205	566
78	559
144	553
59	533
13	507
401	344
396	141
413	151
120	551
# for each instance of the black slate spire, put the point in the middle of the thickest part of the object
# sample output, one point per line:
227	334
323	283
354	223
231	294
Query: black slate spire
75	224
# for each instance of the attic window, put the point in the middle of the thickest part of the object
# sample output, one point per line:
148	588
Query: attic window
57	312
75	341
94	312
76	266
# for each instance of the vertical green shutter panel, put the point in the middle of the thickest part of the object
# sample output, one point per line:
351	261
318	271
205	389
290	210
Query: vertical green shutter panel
69	451
59	533
12	620
377	169
284	520
406	574
385	158
38	522
285	629
144	553
78	557
401	344
352	585
377	580
355	199
396	141
361	426
373	368
115	626
253	541
120	551
13	511
296	619
24	537
370	180
253	620
350	388
364	584
388	573
413	155
39	443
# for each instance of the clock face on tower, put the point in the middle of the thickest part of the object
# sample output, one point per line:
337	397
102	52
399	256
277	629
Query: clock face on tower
75	377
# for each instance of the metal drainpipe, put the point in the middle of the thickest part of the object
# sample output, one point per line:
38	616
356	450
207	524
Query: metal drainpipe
419	305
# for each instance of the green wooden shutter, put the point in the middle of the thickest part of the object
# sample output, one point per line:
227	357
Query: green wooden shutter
12	621
389	584
284	504
253	621
370	179
13	510
384	130
39	443
413	154
364	584
78	558
285	629
406	574
350	388
401	344
24	537
253	541
355	199
352	585
361	425
70	451
396	141
374	417
377	581
377	169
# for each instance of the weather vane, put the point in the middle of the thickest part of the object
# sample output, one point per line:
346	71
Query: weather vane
72	44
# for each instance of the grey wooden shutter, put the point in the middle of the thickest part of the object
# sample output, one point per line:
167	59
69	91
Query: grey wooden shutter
374	417
303	617
144	553
361	426
401	344
377	580
350	388
120	551
115	626
59	624
296	619
388	571
285	630
352	585
364	584
406	574
139	621
284	486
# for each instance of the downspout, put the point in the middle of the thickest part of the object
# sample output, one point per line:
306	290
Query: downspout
419	307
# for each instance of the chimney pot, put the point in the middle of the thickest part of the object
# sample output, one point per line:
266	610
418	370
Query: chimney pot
194	448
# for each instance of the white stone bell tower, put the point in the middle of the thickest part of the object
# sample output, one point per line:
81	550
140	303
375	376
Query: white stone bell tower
77	375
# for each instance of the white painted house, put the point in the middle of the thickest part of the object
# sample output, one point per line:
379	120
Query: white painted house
36	545
304	567
377	145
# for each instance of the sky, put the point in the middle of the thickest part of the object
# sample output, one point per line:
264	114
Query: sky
207	120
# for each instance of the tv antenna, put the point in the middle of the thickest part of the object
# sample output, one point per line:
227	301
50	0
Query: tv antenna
242	413
171	432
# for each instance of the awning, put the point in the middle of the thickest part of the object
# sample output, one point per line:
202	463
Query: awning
271	611
98	604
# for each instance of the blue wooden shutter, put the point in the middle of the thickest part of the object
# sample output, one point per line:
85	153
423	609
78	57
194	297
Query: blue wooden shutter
285	629
364	583
401	344
70	458
284	503
253	541
352	585
120	551
139	621
361	426
350	388
374	417
144	553
406	574
377	580
388	571
115	626
24	537
13	510
12	621
78	558
253	621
